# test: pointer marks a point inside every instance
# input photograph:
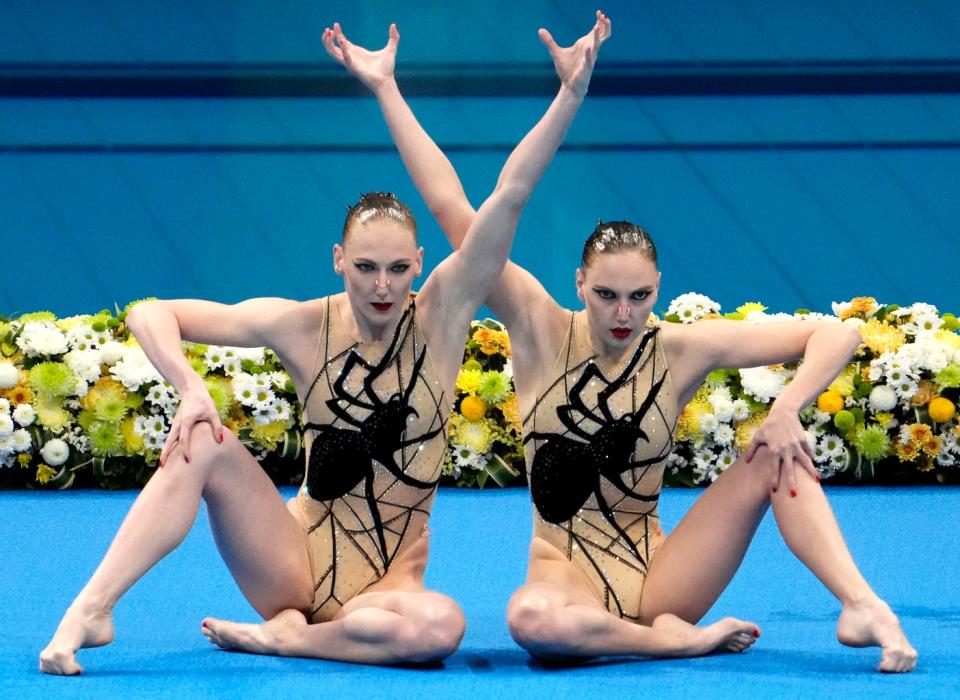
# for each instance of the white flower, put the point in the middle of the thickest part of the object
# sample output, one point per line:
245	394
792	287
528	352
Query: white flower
820	454
692	307
55	452
256	355
724	435
465	457
9	375
22	441
24	415
882	398
4	406
112	352
149	426
135	370
244	389
6	424
41	338
905	388
85	364
279	379
761	317
154	442
763	383
6	444
833	445
840	307
82	337
214	356
741	410
708	423
232	367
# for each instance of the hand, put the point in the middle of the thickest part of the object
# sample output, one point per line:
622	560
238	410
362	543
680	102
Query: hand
783	435
372	68
196	407
574	64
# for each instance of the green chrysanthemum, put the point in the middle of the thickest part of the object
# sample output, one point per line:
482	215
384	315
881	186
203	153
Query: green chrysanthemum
52	379
872	443
476	435
126	309
106	439
472	365
38	316
199	365
107	399
948	377
494	387
221	391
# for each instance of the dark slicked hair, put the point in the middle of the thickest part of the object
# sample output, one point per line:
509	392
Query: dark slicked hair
615	236
379	205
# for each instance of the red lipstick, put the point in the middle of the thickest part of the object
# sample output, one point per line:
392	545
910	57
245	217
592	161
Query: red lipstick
620	333
382	307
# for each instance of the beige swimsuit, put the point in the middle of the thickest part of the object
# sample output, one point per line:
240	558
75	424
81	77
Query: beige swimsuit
597	440
375	427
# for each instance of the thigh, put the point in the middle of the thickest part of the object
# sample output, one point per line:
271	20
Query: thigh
262	543
693	566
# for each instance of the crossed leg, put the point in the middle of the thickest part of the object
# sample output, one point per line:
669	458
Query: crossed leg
555	616
396	620
696	562
267	555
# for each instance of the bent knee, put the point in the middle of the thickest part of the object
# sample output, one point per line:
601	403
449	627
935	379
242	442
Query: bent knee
532	620
435	632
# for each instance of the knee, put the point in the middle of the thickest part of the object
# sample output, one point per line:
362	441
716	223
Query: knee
532	620
436	631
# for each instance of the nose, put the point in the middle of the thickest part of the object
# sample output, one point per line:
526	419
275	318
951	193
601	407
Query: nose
382	283
623	309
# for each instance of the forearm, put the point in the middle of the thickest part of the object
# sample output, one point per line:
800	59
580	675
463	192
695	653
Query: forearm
431	171
158	332
827	353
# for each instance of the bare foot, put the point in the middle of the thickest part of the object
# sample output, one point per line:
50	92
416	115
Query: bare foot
80	628
728	634
873	624
270	637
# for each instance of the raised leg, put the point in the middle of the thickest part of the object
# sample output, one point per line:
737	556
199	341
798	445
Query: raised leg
696	562
266	554
556	617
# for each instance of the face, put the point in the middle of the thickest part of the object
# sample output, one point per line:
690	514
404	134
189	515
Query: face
378	263
619	290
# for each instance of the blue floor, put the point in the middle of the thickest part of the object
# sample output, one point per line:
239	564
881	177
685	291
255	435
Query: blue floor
905	540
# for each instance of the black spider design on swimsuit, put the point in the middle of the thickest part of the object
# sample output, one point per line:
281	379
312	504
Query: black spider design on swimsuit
341	458
566	472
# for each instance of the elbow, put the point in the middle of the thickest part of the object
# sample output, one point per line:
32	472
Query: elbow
513	195
136	318
851	338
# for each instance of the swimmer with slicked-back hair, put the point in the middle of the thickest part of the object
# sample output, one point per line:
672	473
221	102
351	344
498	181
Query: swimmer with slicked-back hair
600	390
337	572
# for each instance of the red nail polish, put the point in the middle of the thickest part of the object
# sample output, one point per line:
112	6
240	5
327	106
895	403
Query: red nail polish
161	463
774	489
186	459
793	493
818	478
756	632
220	437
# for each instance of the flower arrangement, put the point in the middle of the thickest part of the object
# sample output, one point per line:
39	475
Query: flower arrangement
890	416
484	429
80	404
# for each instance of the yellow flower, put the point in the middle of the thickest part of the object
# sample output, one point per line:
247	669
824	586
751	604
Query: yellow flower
750	306
843	384
926	390
830	401
941	409
50	413
473	408
511	411
924	464
919	434
948	338
883	419
688	425
132	441
907	451
491	341
931	446
881	337
269	434
24	459
745	431
473	434
468	381
45	473
860	305
18	395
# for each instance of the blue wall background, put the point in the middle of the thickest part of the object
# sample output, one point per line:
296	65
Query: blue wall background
768	190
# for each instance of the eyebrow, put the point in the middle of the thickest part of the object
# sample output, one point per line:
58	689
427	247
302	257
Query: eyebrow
648	288
399	261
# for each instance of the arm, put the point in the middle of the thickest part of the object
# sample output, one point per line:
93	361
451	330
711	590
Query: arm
432	172
825	348
161	326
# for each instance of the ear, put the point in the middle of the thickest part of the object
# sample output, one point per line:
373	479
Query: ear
338	259
580	282
418	264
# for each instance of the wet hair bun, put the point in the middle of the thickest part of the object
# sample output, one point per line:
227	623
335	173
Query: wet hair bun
614	236
379	205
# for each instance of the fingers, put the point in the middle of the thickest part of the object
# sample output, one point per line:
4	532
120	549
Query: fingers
330	45
547	39
776	466
170	442
394	39
185	441
790	464
751	450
